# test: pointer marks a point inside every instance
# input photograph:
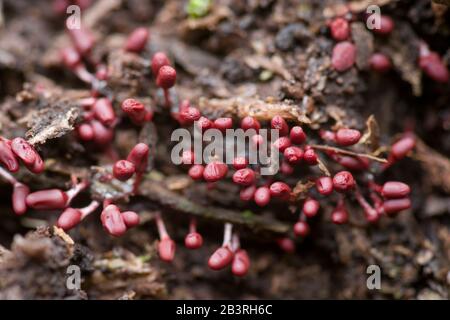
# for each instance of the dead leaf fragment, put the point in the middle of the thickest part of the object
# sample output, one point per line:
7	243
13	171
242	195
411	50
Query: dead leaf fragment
371	137
301	189
51	122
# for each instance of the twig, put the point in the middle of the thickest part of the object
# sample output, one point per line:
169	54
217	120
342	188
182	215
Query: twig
350	153
155	191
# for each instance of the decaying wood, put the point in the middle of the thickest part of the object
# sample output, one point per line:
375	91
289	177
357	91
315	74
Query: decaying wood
260	109
155	191
50	124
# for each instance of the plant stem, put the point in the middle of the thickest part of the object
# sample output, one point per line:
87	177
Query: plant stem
227	233
161	227
7	176
89	209
350	153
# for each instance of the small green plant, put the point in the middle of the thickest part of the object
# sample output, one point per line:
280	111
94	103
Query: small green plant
198	8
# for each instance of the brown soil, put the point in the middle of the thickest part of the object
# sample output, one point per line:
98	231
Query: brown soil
264	56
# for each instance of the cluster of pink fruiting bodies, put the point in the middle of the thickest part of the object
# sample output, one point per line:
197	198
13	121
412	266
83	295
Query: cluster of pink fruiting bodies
344	52
98	128
388	199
